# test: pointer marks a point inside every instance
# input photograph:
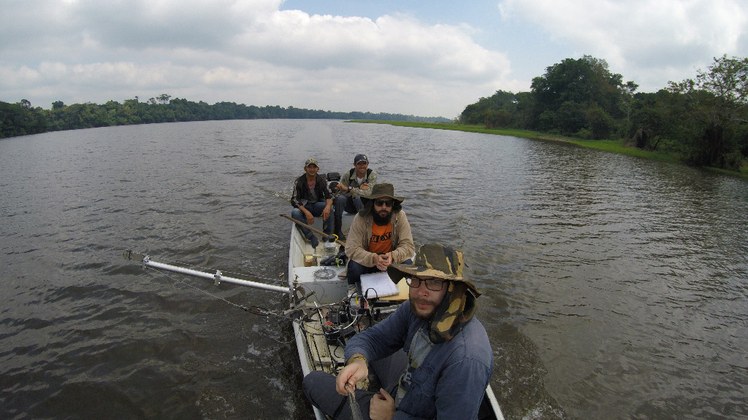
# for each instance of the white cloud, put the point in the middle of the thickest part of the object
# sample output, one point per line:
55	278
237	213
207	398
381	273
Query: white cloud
253	52
649	42
249	52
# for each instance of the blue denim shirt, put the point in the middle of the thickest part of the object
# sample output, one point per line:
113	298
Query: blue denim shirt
450	382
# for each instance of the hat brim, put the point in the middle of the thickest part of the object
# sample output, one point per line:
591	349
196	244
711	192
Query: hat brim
374	197
398	271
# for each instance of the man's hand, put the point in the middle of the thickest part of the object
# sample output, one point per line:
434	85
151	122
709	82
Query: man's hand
326	212
384	261
351	375
382	406
342	187
309	216
364	186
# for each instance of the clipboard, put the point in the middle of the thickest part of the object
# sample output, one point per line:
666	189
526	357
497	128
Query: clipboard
377	285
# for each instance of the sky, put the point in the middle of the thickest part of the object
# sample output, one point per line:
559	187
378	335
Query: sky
427	58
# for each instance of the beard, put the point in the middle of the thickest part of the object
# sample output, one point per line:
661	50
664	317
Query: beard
383	217
423	308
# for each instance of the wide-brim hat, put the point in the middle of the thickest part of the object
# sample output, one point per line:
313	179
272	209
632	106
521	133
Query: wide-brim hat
434	260
384	190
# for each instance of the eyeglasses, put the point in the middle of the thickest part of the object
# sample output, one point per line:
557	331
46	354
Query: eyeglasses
433	284
381	203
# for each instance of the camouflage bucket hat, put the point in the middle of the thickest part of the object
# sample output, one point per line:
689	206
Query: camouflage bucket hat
434	260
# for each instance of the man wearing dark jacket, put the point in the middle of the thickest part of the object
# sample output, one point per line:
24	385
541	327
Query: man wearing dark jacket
311	198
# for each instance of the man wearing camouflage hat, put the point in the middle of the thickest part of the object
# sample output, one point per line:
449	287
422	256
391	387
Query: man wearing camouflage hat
437	322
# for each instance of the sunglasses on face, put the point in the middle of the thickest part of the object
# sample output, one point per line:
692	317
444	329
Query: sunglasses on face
381	203
435	285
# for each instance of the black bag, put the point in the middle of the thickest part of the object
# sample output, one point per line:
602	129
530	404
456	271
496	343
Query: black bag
339	260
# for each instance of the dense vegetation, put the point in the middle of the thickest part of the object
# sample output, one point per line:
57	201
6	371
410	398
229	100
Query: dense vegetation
704	121
21	118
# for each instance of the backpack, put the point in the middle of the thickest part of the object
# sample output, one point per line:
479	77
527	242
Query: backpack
350	175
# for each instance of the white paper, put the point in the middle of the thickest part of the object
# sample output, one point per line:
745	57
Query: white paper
375	285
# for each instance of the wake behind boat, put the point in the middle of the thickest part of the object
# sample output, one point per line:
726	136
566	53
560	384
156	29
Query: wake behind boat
323	316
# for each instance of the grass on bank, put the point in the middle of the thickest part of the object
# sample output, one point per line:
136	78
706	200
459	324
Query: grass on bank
611	146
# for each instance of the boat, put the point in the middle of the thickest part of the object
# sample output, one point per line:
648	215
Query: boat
331	317
323	315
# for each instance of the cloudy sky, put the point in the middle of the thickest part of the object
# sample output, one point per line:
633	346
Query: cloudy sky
427	58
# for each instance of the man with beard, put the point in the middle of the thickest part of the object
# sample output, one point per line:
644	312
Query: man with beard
449	357
379	236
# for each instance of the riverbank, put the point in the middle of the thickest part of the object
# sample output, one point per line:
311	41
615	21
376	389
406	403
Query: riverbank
612	146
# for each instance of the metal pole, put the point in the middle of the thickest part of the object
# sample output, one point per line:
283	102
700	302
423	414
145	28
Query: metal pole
217	277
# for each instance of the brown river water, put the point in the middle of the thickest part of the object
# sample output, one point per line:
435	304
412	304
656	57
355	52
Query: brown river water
614	287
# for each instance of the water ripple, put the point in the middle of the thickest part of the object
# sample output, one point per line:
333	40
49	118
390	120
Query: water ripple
611	284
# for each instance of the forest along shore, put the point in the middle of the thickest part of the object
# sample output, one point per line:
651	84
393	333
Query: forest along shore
612	146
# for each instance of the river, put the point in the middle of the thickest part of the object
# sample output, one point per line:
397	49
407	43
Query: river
614	287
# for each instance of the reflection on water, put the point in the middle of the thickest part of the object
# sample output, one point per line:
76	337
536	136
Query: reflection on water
612	284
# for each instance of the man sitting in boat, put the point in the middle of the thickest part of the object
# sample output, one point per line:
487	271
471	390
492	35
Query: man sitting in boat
379	236
311	198
450	360
353	187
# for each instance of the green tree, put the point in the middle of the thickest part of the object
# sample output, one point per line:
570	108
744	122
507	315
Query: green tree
502	109
716	105
163	98
601	124
21	119
574	95
649	119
